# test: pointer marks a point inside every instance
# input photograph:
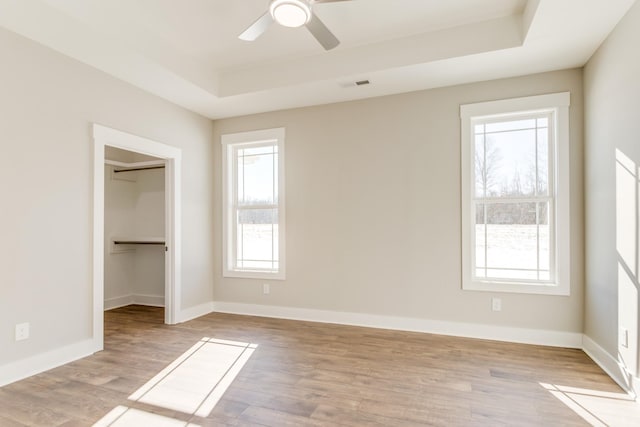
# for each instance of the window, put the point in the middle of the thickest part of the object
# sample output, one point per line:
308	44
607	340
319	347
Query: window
515	195
253	187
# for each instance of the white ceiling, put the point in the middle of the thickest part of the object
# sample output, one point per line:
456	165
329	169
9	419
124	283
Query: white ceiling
188	51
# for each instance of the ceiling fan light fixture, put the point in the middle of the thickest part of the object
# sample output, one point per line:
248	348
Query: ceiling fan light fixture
290	13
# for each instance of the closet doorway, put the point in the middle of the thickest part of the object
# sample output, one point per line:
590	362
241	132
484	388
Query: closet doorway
142	233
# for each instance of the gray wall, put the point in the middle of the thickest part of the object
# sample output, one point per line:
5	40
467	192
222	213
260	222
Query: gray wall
47	105
373	209
612	145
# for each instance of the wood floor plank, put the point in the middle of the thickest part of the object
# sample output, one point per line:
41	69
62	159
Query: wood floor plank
311	374
23	409
6	422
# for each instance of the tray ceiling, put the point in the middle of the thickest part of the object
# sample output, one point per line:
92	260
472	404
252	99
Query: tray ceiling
188	51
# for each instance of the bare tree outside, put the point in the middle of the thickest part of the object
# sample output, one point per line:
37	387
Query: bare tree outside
512	222
487	163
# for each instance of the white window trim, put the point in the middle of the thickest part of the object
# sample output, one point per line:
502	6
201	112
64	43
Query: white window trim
558	103
273	136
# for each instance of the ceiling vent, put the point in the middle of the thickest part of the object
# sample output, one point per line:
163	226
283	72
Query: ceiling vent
349	83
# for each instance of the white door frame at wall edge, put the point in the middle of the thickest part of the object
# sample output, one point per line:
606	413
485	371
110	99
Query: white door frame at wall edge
103	137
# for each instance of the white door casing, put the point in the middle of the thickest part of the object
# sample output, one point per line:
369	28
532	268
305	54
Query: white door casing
104	136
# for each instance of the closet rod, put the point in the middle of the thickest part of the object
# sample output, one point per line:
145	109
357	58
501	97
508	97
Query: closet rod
136	242
138	169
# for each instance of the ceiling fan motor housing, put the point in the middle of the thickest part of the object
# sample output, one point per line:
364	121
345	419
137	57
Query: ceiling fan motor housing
293	13
290	13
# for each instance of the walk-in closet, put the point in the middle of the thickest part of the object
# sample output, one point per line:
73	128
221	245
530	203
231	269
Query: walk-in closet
134	227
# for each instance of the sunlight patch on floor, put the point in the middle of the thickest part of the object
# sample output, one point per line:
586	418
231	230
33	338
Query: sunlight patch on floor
195	382
121	416
598	408
192	384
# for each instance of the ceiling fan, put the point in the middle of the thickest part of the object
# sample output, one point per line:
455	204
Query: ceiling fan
293	13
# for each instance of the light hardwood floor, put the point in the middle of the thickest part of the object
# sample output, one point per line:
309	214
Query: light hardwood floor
322	375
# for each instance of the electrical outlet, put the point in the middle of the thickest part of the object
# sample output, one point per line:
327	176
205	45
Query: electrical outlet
624	337
266	289
22	331
496	304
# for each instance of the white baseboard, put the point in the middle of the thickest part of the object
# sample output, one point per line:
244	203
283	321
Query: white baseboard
611	366
24	368
197	311
123	301
117	302
150	300
468	330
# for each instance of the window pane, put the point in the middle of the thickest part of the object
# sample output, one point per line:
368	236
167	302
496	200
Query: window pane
240	178
511	162
257	245
256	173
480	236
545	239
543	161
515	242
480	170
488	163
512	241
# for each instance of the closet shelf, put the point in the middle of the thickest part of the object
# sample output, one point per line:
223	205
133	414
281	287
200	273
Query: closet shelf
139	241
135	166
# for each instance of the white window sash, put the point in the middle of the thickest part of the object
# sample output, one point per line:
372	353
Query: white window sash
232	265
555	106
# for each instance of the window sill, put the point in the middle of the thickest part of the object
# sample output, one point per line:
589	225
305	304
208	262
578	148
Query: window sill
246	274
518	288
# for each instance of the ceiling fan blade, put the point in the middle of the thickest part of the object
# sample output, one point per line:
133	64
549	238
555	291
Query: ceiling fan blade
256	29
322	33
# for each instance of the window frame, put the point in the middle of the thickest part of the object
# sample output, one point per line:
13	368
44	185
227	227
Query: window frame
230	145
557	105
